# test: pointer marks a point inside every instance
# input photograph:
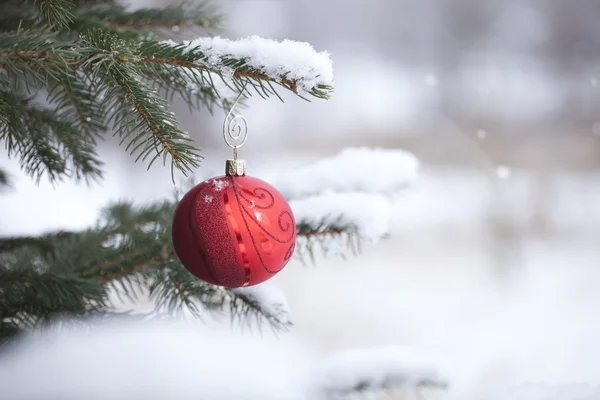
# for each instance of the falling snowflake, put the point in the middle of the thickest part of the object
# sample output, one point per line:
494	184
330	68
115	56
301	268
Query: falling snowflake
219	184
430	80
481	134
503	172
258	216
208	198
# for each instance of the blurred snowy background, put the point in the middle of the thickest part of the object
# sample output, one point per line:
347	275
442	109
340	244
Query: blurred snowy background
493	257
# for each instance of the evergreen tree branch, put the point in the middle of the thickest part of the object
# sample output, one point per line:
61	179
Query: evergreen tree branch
329	236
130	247
119	18
140	24
56	13
36	54
146	112
29	297
75	98
4	181
241	305
148	57
43	245
242	74
124	72
46	143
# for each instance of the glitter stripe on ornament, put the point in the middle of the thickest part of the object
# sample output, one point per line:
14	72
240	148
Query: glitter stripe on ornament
240	240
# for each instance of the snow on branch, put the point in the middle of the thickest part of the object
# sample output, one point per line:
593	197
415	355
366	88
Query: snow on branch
294	65
333	216
342	201
269	299
362	169
355	373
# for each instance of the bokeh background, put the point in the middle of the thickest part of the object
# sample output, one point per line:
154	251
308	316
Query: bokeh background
494	259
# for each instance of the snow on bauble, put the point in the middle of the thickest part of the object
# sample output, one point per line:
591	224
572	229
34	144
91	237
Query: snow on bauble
234	231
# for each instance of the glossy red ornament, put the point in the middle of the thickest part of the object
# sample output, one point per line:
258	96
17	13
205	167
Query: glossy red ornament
234	231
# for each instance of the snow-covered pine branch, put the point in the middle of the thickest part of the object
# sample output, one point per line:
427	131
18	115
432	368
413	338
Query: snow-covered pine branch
341	201
338	221
128	73
354	169
257	61
269	301
354	374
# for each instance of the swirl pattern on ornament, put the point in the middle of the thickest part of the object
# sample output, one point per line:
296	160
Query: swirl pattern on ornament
261	194
285	220
283	225
290	251
288	223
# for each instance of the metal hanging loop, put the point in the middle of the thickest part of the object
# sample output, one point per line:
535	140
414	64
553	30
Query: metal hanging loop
235	127
235	133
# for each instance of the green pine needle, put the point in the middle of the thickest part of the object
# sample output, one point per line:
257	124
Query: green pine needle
56	13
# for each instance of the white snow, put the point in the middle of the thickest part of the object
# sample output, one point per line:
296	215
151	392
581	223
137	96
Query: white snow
536	391
368	371
192	78
503	171
154	360
354	169
270	299
298	61
220	184
369	213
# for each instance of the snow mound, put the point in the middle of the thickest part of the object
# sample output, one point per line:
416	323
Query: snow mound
356	373
354	169
143	360
531	391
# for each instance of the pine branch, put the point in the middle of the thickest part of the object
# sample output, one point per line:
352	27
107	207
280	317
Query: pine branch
329	236
76	101
141	24
136	22
46	143
56	13
245	301
37	55
236	71
29	298
173	289
125	74
128	249
4	181
146	112
43	245
197	91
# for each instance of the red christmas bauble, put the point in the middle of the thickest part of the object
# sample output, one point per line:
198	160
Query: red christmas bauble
234	231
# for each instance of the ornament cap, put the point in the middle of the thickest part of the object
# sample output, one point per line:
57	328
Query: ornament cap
235	167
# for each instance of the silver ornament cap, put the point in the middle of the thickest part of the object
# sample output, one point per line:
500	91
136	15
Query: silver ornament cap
235	167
